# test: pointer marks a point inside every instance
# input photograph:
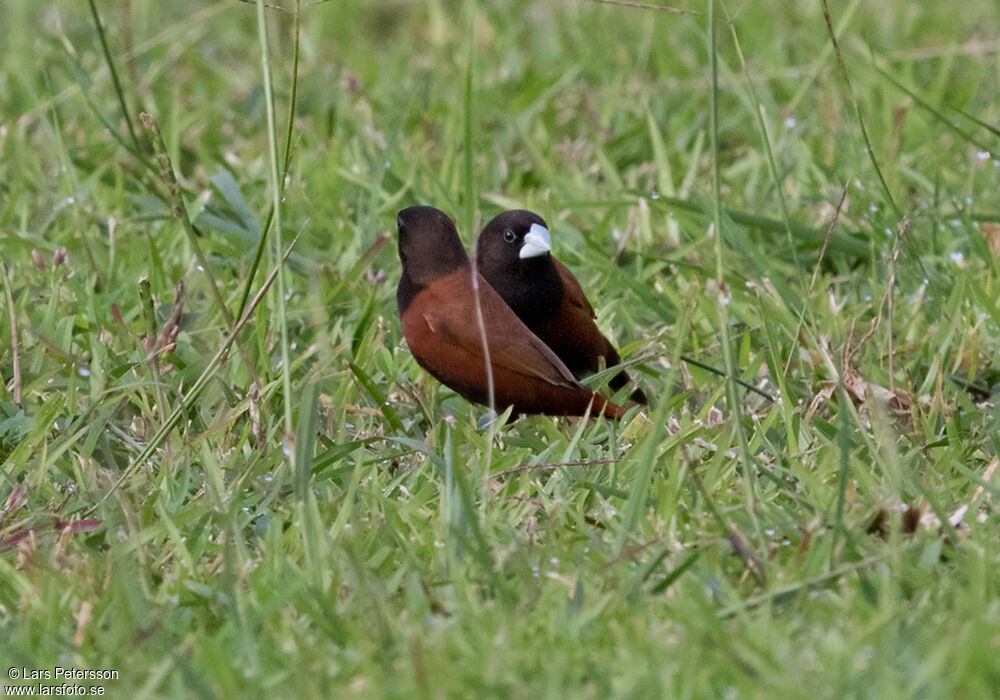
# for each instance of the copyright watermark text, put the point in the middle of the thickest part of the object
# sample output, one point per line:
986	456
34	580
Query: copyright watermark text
28	682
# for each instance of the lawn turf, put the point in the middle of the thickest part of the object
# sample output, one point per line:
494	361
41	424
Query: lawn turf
181	504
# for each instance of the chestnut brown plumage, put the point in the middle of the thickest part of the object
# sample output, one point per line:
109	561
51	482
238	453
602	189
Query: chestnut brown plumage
438	315
514	255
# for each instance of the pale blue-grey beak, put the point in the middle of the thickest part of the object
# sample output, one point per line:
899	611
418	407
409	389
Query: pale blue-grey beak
537	241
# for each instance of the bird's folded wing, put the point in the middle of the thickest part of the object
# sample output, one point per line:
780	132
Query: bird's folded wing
573	291
512	346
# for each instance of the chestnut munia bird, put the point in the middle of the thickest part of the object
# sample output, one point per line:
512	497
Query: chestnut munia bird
438	314
514	255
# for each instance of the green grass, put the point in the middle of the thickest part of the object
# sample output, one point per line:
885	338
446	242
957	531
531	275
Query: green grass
181	504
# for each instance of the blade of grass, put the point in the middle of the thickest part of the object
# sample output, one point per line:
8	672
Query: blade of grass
378	398
851	243
470	208
926	106
149	316
16	355
678	571
722	293
844	449
721	373
794	588
817	65
114	76
84	82
305	439
995	130
275	187
293	100
470	222
647	6
857	109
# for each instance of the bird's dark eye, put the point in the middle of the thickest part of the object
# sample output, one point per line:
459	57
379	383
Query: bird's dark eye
509	236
